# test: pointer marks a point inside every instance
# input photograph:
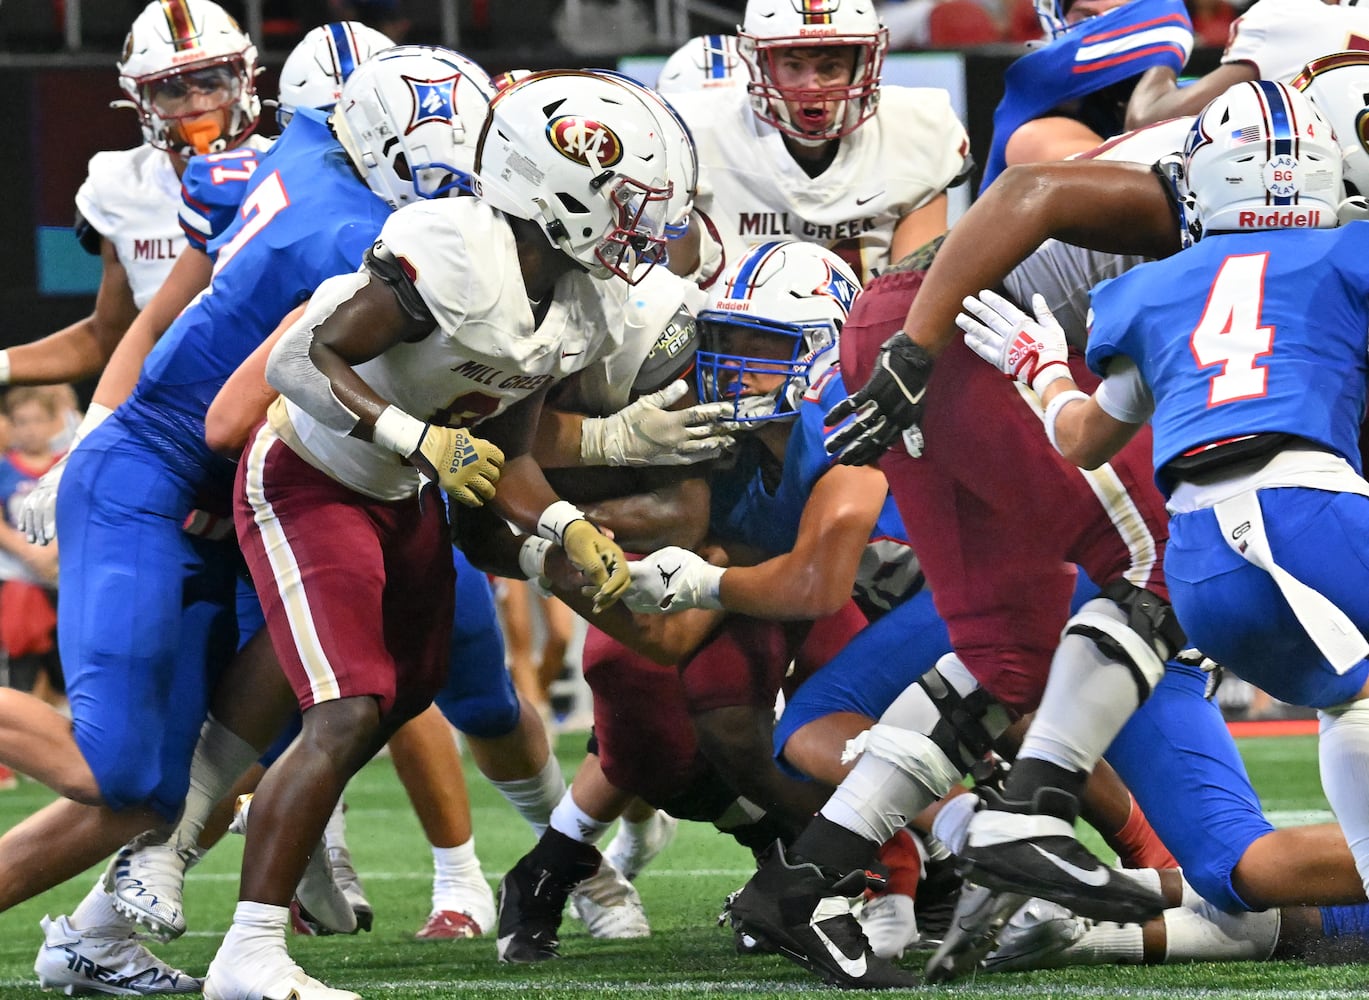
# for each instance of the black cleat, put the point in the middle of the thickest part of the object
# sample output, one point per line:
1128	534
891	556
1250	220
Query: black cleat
1013	848
979	915
804	913
533	895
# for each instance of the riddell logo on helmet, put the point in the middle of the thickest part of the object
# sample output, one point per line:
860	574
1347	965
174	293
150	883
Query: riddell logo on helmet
578	139
1279	220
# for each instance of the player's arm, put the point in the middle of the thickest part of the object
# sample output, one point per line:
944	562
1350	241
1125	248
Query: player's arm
80	350
667	508
189	276
918	227
1054	137
1158	96
1083	432
242	402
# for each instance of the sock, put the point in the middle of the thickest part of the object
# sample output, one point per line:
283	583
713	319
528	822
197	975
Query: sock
1207	934
574	822
1344	754
535	797
256	925
876	799
825	843
901	854
1107	943
1137	844
221	757
96	913
454	869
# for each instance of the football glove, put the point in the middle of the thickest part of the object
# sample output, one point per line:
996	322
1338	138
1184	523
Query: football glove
673	579
1033	351
465	466
38	515
888	407
601	560
646	432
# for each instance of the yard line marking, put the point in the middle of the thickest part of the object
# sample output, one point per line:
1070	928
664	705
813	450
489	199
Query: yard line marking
495	876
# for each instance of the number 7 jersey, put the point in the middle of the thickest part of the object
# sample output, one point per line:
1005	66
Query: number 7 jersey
1245	334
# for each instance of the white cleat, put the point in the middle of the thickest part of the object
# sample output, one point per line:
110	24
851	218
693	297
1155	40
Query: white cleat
630	854
262	971
146	882
82	962
889	923
610	906
346	878
1040	935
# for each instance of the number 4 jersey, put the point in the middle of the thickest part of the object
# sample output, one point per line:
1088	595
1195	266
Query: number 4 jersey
1246	333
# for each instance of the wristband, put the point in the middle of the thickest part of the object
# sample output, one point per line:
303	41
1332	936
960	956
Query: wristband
4	367
95	416
554	521
396	430
1053	411
710	594
1052	372
532	556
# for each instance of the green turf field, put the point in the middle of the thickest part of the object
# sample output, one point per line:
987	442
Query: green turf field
687	956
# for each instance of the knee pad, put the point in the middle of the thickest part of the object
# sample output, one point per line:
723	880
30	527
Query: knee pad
486	715
1133	627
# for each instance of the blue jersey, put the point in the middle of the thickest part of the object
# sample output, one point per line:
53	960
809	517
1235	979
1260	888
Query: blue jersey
212	188
745	509
306	217
1244	334
1114	46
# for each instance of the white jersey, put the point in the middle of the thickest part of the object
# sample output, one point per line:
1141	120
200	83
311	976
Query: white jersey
1063	273
132	197
1279	37
753	190
486	352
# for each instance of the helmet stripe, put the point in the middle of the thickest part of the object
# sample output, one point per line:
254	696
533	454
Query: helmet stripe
817	11
740	285
716	53
344	49
181	23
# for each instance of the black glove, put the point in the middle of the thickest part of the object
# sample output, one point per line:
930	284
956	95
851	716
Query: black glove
889	406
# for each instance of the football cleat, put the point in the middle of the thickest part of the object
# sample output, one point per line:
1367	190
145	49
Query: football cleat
1034	852
804	913
610	906
629	854
146	882
890	924
247	968
448	925
83	962
9	780
1040	935
347	879
742	941
532	899
979	915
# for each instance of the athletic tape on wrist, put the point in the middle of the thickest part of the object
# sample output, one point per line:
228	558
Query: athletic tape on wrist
554	521
532	556
1053	412
396	430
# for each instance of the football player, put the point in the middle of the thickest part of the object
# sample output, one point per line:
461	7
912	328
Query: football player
814	148
702	63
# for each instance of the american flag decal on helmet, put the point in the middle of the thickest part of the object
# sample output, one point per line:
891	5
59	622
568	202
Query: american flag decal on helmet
184	34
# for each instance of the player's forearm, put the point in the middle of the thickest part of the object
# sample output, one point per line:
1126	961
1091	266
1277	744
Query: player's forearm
557	442
71	354
673	514
788	588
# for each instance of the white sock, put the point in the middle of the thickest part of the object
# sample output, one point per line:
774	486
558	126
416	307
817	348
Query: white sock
1087	701
1206	934
575	823
258	923
335	831
455	869
220	759
1344	753
96	913
1110	944
1147	877
876	799
536	797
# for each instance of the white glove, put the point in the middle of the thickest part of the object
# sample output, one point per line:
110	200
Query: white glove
1033	351
38	515
645	432
673	579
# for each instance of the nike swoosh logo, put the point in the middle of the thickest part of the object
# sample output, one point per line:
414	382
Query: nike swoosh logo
571	354
862	201
855	968
1096	878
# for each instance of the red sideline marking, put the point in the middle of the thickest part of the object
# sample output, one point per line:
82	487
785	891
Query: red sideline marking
1274	727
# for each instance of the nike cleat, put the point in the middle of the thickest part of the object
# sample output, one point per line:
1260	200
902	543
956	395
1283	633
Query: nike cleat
1041	935
1036	853
532	898
804	913
979	915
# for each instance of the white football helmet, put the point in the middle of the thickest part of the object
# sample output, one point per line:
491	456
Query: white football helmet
800	292
183	62
408	118
1261	157
586	157
702	63
320	64
506	79
771	27
1338	85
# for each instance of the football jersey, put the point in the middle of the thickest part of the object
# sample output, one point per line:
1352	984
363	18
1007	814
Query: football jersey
1246	333
753	190
746	510
1278	37
486	351
306	217
212	188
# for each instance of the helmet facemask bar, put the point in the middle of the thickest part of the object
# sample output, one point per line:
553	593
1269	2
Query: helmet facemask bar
720	374
639	234
196	130
855	102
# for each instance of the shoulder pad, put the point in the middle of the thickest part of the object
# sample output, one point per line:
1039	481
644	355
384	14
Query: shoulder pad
671	356
87	235
392	270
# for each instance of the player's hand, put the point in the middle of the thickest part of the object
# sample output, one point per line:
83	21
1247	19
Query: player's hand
889	406
465	466
38	516
647	432
600	559
1033	351
673	579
